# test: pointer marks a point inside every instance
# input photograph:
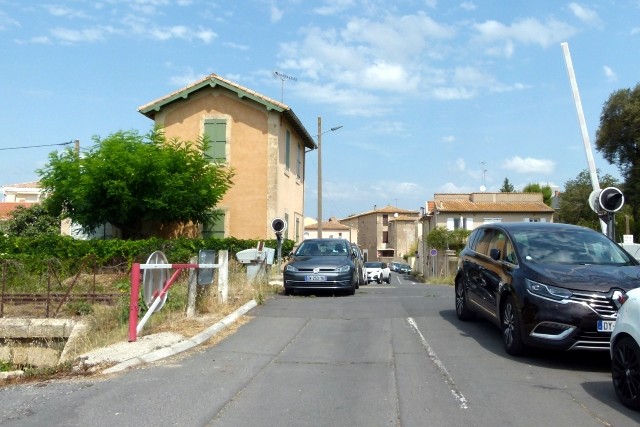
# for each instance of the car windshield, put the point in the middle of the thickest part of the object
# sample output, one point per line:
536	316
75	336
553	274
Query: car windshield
568	247
322	248
373	264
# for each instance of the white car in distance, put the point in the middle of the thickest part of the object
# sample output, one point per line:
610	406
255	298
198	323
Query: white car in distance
377	272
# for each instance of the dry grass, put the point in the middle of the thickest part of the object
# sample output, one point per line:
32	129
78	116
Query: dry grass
107	325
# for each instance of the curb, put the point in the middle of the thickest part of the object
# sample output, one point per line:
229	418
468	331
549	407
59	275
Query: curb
182	345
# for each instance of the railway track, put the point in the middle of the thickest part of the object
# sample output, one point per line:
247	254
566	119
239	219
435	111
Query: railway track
29	298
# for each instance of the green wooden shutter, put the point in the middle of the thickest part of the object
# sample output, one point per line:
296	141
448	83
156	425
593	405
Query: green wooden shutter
287	150
216	132
214	228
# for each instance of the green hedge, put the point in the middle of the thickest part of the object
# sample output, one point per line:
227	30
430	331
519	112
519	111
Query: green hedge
36	251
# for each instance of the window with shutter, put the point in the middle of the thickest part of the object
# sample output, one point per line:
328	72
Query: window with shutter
216	132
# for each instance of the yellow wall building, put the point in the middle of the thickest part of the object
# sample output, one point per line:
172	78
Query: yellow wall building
261	139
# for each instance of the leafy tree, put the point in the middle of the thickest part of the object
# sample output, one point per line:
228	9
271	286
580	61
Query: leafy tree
442	238
130	180
31	221
618	140
537	188
574	201
507	187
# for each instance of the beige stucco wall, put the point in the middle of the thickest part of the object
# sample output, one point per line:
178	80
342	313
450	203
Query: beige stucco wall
440	220
261	189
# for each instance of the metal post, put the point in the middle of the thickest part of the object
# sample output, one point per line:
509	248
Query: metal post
319	177
223	276
595	184
133	301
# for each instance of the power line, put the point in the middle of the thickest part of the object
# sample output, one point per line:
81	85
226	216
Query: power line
36	146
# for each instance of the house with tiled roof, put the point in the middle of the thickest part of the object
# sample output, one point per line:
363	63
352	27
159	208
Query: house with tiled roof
13	195
385	233
330	229
261	139
468	211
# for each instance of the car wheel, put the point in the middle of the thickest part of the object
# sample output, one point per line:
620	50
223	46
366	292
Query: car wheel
511	328
462	311
388	280
379	281
287	291
625	371
352	289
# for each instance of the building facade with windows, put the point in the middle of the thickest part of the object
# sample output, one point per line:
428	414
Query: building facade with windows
383	232
331	228
468	211
261	139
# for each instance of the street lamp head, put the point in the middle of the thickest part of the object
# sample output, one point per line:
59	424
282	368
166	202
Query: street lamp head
335	128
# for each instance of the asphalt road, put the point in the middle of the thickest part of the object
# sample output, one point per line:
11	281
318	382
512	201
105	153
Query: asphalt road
392	355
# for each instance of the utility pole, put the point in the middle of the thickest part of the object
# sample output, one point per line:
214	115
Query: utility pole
320	172
319	177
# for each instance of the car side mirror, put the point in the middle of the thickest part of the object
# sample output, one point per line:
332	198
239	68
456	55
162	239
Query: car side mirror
494	254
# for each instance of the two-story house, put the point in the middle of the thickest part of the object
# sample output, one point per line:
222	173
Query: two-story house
468	211
382	233
332	228
13	195
261	139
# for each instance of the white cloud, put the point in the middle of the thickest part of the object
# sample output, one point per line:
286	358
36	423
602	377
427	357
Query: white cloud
468	6
188	77
275	13
61	11
461	164
610	74
392	77
587	16
453	93
7	21
529	165
206	36
333	7
87	35
527	31
450	187
448	138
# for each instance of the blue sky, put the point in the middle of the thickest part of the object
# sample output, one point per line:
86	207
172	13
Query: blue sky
433	96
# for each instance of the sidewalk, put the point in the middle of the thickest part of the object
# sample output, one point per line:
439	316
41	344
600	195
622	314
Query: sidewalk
151	348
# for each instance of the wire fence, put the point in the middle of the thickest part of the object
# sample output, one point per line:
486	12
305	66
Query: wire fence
53	289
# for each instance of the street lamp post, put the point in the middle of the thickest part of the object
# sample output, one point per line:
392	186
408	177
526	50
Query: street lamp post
320	172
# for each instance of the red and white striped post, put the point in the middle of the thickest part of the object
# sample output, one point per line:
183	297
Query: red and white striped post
134	326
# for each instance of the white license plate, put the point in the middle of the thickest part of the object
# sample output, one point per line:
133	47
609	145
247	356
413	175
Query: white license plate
606	325
316	278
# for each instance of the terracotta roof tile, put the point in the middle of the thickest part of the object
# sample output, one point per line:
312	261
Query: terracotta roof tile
34	184
387	210
7	207
468	206
331	224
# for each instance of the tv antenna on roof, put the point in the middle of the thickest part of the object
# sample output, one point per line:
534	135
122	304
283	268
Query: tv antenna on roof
282	78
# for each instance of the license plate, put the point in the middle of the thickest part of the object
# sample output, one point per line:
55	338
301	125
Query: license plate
316	278
606	325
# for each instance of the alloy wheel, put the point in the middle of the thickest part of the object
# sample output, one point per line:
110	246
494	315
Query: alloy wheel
625	371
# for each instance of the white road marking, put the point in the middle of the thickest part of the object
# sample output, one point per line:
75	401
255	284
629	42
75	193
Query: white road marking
462	401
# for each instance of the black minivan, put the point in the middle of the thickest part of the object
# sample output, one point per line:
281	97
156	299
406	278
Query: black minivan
544	284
